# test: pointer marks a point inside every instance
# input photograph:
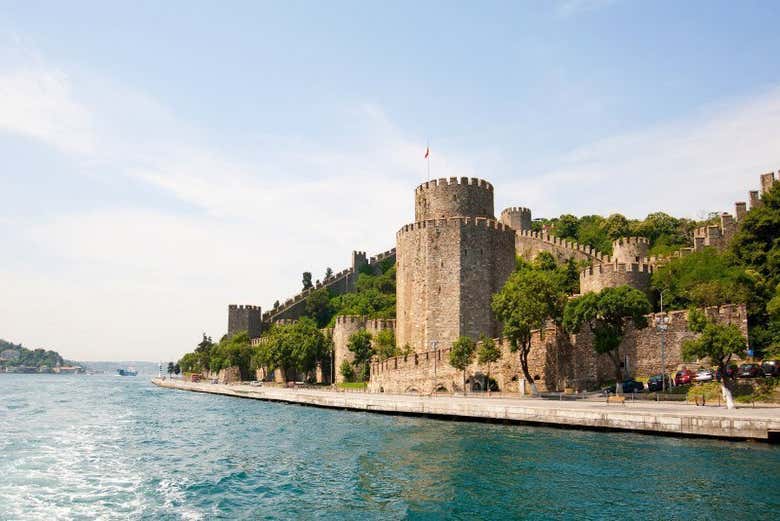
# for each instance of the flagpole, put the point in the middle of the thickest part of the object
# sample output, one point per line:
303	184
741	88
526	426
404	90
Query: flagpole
428	157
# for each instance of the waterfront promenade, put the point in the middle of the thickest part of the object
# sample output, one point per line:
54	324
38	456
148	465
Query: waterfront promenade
761	423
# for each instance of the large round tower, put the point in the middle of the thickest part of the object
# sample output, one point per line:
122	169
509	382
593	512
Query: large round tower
450	262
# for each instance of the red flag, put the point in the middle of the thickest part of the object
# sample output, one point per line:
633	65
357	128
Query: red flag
427	152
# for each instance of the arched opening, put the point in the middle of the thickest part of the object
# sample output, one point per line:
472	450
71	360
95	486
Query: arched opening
441	388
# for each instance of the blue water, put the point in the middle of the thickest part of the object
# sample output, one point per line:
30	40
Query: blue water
106	447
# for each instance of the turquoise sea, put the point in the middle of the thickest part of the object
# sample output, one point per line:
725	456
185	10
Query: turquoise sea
106	447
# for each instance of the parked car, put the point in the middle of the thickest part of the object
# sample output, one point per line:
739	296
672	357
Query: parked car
771	367
704	375
683	377
750	371
731	371
654	382
629	386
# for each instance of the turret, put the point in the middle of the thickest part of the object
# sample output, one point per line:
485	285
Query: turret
453	197
517	217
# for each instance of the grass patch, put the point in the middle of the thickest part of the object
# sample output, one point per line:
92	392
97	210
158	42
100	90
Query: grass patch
352	385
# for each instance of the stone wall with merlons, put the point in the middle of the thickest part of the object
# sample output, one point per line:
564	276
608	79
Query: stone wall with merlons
556	360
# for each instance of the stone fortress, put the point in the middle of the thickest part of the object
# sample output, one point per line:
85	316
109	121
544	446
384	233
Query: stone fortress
455	256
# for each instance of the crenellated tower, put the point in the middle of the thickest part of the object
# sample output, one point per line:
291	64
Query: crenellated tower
517	217
245	318
450	262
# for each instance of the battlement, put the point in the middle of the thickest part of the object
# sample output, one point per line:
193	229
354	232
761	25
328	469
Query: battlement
564	244
630	240
379	257
246	307
449	181
479	222
343	320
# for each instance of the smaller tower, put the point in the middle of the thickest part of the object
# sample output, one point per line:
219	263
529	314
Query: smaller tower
245	318
767	180
359	259
517	218
740	209
630	250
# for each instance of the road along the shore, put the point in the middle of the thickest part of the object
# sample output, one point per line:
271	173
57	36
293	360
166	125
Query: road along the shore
647	417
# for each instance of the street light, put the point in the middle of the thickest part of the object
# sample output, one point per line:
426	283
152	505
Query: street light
662	324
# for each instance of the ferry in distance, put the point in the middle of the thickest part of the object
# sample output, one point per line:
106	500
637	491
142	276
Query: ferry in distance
127	372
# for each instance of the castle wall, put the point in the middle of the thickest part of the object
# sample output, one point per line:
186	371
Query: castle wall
529	244
555	361
338	284
453	197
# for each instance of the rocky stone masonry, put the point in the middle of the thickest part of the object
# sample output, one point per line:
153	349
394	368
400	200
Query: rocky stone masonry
448	268
556	360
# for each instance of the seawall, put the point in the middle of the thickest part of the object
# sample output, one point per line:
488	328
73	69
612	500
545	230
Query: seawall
645	417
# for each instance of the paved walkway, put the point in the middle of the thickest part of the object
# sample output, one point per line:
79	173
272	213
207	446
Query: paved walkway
641	416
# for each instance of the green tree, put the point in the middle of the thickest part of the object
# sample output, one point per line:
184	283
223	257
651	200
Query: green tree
359	343
347	371
318	306
461	355
307	280
616	226
488	353
756	248
567	227
527	301
384	344
606	314
328	273
718	342
176	369
705	278
170	369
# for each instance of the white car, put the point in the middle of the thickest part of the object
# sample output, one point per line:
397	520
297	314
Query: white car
705	375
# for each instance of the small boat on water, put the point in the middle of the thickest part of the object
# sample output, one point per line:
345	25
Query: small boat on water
127	372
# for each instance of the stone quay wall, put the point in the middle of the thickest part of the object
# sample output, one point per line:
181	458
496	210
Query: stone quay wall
556	360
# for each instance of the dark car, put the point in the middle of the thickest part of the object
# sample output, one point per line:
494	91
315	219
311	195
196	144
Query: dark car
629	386
731	372
684	377
750	371
654	383
771	367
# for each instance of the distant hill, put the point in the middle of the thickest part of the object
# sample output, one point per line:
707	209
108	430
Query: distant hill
17	358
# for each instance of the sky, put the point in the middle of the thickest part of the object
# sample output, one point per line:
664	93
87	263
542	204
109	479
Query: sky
161	160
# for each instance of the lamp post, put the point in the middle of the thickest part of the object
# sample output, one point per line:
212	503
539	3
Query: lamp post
662	324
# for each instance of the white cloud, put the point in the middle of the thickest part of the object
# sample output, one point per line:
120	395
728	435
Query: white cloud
39	104
695	164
